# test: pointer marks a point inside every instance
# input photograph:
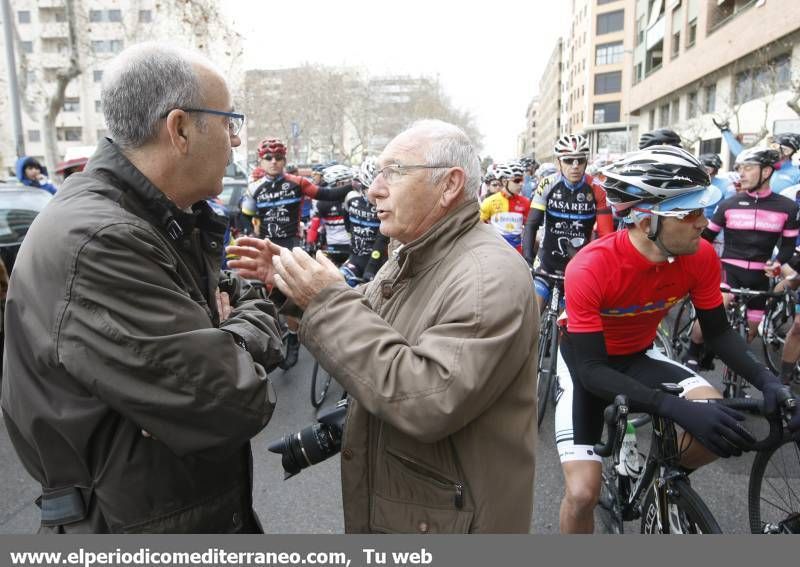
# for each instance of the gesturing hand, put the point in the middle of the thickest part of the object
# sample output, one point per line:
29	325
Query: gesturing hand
254	260
301	277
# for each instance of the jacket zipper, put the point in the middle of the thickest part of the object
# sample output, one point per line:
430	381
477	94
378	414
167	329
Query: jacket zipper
425	471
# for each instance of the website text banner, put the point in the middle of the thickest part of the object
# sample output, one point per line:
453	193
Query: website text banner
393	551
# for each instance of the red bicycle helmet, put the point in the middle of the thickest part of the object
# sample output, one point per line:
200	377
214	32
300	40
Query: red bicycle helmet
272	146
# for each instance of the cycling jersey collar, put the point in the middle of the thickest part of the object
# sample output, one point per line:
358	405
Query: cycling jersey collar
571	186
755	195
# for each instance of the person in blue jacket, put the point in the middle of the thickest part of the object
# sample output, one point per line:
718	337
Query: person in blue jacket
786	173
31	173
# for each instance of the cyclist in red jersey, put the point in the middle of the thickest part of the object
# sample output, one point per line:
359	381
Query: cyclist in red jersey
618	289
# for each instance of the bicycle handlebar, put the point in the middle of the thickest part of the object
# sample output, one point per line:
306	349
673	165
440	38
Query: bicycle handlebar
615	417
548	275
745	292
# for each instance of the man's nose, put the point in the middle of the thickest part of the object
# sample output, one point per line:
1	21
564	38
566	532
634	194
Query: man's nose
376	189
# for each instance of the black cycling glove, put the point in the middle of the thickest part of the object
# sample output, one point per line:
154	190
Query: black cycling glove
716	426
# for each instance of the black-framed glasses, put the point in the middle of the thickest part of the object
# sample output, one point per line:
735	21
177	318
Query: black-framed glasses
235	120
395	171
275	157
573	161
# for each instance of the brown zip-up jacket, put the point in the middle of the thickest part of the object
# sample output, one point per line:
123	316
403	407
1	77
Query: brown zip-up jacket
113	329
439	358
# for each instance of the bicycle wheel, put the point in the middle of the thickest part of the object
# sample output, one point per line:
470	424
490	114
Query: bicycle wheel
608	506
686	511
773	495
662	343
681	329
552	391
320	383
777	322
543	373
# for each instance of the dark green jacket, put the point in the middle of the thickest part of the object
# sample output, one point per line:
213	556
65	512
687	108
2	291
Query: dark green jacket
112	328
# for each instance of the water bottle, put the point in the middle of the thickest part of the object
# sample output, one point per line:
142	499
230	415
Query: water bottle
629	459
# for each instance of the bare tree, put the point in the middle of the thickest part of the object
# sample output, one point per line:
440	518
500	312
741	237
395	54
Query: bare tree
198	23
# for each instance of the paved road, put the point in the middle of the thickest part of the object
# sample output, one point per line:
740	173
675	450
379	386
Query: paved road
311	502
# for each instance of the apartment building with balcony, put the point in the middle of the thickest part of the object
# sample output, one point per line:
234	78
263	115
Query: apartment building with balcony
594	72
733	60
548	116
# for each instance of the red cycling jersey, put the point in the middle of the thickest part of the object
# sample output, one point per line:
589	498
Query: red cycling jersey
611	287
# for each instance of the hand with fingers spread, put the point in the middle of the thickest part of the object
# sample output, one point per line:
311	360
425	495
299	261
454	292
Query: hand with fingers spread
301	277
254	260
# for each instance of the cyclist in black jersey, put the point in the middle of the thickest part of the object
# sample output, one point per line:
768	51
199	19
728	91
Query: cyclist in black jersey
568	203
328	217
367	245
274	203
755	221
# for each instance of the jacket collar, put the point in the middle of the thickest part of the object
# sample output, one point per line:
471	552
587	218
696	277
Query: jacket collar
109	161
435	244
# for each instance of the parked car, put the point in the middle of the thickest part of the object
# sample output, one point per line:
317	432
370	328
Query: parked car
19	205
231	198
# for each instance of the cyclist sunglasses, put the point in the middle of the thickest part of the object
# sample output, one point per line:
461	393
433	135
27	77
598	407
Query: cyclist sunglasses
276	157
573	161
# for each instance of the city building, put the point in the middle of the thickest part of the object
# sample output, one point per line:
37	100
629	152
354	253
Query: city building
732	60
103	29
594	71
527	142
548	116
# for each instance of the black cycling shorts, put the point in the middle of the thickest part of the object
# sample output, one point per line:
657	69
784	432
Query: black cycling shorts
738	277
579	413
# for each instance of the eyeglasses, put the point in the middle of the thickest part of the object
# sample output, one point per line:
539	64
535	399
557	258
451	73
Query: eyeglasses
235	121
393	172
275	157
517	180
573	161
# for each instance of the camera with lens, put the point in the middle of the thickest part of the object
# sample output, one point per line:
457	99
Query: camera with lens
312	444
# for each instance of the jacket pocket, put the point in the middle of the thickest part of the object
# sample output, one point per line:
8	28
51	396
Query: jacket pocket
398	516
413	497
224	513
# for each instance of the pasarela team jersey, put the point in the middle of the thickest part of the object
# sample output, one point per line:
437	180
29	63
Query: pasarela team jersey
569	216
753	226
507	215
363	224
611	287
276	202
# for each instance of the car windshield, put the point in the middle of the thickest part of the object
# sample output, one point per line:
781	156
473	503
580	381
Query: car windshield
17	211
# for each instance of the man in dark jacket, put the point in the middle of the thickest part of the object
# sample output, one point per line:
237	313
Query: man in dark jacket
134	375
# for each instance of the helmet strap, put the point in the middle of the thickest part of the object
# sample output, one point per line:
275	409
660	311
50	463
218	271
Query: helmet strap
654	233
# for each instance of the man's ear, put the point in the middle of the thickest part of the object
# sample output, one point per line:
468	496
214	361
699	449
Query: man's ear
454	183
177	130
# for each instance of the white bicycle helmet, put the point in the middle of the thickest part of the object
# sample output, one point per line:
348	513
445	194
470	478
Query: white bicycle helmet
546	170
572	145
366	173
509	170
335	173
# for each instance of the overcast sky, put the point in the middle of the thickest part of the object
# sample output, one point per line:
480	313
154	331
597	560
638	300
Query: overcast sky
489	56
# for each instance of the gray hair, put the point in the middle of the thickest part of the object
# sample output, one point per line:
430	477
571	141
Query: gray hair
450	145
144	83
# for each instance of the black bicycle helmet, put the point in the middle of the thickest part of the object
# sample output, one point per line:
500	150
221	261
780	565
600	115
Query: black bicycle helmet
759	156
653	175
660	137
788	140
711	160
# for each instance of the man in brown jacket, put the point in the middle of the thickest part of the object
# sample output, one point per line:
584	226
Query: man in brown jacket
438	352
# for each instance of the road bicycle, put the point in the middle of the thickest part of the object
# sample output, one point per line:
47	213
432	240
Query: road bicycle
547	381
661	494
